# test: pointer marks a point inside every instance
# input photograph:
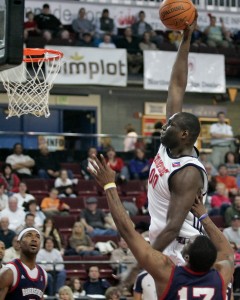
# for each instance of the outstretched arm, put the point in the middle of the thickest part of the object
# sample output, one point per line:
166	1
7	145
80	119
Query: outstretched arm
157	264
225	258
179	75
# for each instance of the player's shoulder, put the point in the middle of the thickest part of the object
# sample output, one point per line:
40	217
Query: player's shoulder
142	274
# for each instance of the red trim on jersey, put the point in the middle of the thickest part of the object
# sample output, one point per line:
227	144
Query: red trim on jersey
18	277
33	279
165	292
223	285
193	272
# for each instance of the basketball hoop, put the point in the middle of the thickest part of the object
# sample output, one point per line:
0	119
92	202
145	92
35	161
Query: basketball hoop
28	85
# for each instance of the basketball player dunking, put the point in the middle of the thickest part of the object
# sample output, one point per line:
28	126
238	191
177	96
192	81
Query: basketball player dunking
23	278
176	175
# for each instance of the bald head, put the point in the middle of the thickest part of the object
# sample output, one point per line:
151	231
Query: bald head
13	203
4	222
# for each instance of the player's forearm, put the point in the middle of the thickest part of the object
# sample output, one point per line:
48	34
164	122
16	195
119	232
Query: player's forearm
219	240
178	79
180	68
165	238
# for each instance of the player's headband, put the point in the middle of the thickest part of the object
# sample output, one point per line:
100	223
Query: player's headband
21	234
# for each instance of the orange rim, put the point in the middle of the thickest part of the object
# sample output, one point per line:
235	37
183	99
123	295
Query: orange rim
36	54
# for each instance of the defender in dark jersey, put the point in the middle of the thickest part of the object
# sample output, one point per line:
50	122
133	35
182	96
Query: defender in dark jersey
209	260
22	278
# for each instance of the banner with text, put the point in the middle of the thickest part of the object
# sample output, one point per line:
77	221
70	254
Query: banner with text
123	15
92	66
206	72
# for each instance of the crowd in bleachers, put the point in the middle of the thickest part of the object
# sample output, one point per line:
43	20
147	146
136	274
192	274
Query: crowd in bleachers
45	29
63	201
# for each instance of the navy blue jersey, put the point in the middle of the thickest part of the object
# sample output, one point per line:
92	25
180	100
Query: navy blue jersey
27	288
185	284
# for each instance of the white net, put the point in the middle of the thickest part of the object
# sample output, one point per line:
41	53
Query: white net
29	84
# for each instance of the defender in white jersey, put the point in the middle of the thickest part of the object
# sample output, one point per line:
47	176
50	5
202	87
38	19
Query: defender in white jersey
176	176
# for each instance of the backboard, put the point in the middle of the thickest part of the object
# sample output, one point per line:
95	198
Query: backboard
11	33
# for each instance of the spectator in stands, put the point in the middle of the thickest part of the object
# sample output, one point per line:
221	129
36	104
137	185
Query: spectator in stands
105	25
30	26
141	26
220	200
32	208
6	234
22	196
2	252
65	185
52	206
82	25
77	288
9	179
139	166
86	41
125	259
198	38
134	55
15	214
29	222
144	287
113	293
146	43
231	162
107	42
221	139
49	230
21	164
211	179
3	197
47	22
204	159
232	211
130	139
175	38
65	293
57	273
142	200
95	285
117	164
63	39
87	163
229	181
46	163
232	233
95	220
12	252
217	36
80	242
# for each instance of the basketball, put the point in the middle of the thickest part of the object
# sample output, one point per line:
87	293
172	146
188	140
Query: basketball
174	14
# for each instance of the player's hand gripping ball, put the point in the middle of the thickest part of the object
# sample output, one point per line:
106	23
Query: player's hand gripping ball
174	14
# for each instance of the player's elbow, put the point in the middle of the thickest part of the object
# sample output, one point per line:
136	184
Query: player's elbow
173	228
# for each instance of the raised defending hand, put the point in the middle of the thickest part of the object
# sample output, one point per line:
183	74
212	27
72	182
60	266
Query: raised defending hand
198	207
101	171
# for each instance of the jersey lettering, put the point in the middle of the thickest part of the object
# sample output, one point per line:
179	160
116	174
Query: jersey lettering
206	293
153	178
160	165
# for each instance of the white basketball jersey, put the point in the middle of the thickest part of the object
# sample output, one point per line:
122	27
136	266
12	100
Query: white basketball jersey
163	167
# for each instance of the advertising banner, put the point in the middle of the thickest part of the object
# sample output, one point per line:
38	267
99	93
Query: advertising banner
206	72
92	66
